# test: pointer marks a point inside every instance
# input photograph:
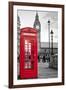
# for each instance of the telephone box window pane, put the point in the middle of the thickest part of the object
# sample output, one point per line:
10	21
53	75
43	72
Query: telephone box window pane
28	55
27	65
26	41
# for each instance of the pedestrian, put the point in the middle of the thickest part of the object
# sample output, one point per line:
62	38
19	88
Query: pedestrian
43	60
38	58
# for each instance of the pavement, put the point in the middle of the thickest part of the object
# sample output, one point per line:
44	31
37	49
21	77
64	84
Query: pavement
45	72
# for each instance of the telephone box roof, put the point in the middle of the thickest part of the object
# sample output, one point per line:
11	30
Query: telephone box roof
28	30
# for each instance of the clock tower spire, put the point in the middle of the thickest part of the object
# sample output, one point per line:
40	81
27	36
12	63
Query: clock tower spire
37	26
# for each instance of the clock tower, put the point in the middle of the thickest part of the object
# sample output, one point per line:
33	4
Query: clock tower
37	26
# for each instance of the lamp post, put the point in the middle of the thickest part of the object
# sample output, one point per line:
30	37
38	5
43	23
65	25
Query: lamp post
51	42
49	37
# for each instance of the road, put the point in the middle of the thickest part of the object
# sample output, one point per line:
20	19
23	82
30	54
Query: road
45	72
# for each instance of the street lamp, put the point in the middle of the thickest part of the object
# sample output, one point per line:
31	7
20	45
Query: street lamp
49	37
51	42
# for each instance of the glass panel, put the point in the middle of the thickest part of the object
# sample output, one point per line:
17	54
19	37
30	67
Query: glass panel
29	53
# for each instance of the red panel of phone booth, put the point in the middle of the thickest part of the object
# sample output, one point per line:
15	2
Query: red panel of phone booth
28	53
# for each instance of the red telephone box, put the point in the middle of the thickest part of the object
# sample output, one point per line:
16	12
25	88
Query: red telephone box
28	53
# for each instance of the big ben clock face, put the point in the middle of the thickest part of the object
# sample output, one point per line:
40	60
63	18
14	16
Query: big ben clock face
37	27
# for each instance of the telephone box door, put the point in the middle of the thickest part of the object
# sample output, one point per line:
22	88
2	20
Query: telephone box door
28	56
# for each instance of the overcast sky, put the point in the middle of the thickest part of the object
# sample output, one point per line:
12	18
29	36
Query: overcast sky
27	20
